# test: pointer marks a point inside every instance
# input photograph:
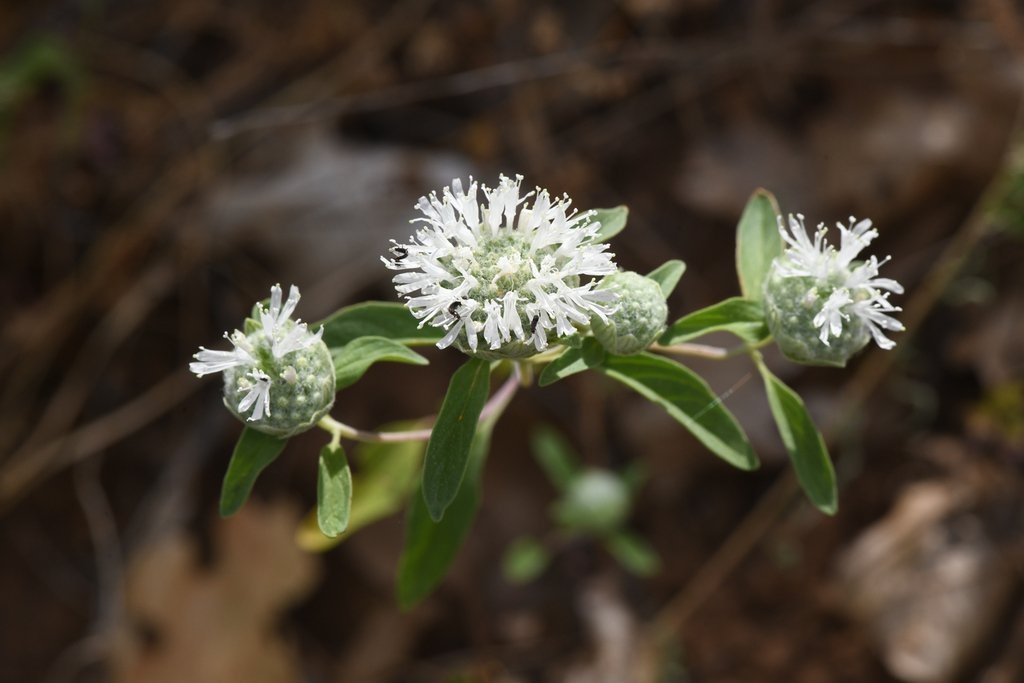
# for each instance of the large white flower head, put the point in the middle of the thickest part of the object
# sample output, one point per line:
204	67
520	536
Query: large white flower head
502	275
822	304
279	377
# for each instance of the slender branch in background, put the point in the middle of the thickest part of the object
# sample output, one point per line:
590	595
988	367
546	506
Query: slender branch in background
20	475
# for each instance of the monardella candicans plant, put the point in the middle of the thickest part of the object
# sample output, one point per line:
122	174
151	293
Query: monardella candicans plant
528	289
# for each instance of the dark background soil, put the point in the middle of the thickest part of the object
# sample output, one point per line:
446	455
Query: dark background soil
162	163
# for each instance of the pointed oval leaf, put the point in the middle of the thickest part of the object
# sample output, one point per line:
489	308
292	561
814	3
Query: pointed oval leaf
377	319
612	221
448	449
253	452
667	275
757	242
430	547
741	317
388	475
353	360
804	443
333	491
688	399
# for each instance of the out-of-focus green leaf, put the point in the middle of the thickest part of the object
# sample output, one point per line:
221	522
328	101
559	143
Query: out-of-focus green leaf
555	455
633	553
524	560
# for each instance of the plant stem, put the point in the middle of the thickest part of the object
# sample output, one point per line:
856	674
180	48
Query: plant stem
709	351
340	430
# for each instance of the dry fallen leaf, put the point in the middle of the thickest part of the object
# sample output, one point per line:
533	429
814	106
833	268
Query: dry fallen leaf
187	622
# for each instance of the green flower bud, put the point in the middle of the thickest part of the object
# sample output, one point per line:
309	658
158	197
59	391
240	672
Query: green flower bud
278	376
639	317
595	501
821	305
791	305
299	389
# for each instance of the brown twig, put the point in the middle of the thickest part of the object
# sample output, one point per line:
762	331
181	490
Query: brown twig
18	478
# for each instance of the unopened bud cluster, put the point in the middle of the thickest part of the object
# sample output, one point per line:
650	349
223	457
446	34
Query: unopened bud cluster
278	378
821	306
638	318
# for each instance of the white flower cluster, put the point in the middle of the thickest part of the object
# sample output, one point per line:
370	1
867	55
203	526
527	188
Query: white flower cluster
258	354
856	289
502	269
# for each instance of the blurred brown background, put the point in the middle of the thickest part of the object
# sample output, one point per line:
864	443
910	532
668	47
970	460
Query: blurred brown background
162	163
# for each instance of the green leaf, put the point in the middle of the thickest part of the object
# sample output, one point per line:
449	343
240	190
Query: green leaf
803	442
448	449
667	275
739	316
377	319
430	547
612	222
333	491
555	456
589	354
633	553
387	476
688	399
353	360
524	560
253	452
757	242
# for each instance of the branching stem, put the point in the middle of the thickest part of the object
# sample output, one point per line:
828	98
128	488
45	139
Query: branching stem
496	403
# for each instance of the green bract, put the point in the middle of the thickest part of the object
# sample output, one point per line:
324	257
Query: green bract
639	316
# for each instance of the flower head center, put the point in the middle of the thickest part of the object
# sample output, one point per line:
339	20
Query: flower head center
502	263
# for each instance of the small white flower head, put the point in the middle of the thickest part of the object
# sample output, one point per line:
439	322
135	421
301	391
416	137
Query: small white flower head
639	316
822	305
278	378
502	276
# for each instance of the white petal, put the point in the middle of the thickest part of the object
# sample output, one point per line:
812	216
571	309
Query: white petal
258	396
